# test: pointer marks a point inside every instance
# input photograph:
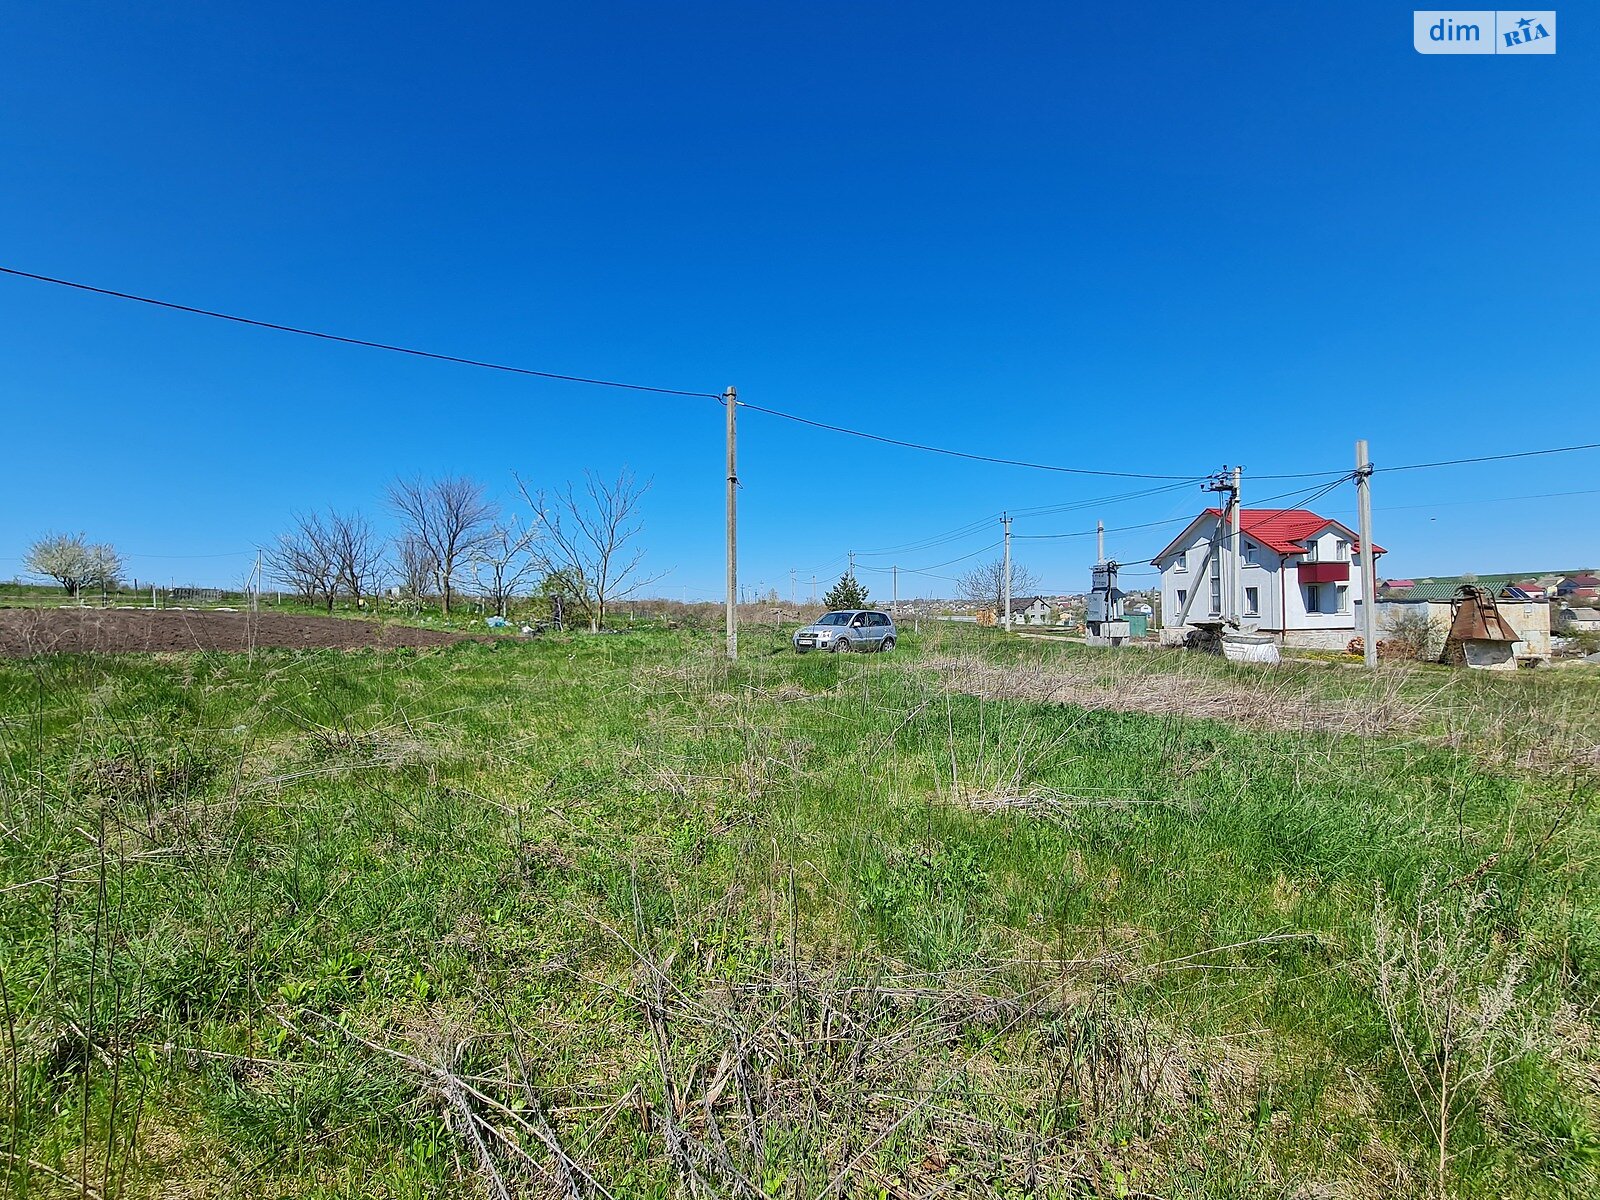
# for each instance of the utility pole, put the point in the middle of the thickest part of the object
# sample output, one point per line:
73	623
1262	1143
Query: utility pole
894	605
852	564
1237	580
731	399
1369	560
791	585
813	588
1005	520
1100	541
1227	531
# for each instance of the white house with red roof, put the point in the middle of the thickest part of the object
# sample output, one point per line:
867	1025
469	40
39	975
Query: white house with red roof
1300	578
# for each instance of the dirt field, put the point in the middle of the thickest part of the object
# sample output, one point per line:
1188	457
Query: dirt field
25	631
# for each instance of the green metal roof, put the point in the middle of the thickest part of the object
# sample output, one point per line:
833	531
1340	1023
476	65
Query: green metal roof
1445	589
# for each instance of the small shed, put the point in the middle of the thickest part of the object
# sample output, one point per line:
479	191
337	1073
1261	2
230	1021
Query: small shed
1479	636
1580	620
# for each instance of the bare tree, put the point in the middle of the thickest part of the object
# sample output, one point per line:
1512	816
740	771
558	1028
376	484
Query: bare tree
306	560
74	562
357	554
414	564
986	584
586	541
504	561
449	518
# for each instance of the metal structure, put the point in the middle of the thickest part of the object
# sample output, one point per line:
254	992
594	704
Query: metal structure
1479	635
1104	617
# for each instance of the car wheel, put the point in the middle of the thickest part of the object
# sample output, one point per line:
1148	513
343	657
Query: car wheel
888	645
841	645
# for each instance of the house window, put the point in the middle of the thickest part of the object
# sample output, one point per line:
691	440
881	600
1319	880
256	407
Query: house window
1183	598
1341	551
1311	551
1252	602
1181	563
1313	598
1342	594
1251	553
1216	585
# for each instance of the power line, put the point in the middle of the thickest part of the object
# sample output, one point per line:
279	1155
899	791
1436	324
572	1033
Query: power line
558	376
1390	508
1482	458
928	570
351	341
936	539
436	356
1449	462
1004	462
1310	495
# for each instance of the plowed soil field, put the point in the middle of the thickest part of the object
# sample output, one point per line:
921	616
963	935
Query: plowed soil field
25	631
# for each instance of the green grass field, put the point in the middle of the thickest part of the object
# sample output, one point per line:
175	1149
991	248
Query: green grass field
609	916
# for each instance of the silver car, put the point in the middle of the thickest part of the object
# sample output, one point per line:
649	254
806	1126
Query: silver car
846	630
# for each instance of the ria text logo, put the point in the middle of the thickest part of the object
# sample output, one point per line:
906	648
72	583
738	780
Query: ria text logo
1484	31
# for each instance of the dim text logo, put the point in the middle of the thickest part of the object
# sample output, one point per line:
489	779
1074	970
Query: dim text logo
1484	31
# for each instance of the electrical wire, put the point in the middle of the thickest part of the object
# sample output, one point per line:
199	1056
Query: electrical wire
936	539
978	526
773	412
351	341
971	457
1483	458
934	566
1099	501
561	377
1312	497
1450	462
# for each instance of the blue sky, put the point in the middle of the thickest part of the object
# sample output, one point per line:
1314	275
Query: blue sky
1130	239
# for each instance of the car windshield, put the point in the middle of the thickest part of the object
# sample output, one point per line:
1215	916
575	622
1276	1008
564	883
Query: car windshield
834	619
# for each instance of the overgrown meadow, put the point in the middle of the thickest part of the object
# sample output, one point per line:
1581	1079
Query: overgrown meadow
609	916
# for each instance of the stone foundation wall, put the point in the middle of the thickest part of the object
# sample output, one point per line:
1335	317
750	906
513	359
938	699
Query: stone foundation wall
1318	639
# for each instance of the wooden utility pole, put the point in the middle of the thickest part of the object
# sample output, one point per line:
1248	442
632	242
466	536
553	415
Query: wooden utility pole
1005	520
1369	560
731	399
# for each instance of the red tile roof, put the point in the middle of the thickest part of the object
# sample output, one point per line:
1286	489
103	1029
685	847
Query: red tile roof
1282	529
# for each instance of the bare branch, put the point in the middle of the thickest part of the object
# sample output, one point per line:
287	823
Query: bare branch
586	548
448	518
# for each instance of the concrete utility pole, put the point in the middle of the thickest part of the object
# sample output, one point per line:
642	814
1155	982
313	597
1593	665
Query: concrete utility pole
1005	520
1369	560
852	563
813	589
1100	541
1228	572
1237	580
894	605
731	399
791	585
